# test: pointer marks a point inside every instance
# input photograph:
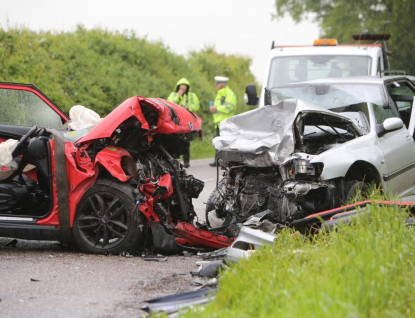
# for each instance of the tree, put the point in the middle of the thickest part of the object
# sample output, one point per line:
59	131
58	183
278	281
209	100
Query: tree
341	19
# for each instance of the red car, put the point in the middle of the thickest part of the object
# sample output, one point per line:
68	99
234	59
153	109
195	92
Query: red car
117	188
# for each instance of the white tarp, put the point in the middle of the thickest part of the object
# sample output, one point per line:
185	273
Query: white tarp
263	137
82	118
6	149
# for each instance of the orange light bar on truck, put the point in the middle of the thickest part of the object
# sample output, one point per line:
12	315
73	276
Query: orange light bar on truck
325	42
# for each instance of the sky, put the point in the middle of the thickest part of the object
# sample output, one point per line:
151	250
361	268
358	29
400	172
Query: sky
241	27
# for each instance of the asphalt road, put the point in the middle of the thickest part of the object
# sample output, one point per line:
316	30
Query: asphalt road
45	279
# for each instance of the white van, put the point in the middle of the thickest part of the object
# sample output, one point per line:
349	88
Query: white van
325	58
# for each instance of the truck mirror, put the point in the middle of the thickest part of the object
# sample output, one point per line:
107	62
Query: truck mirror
251	95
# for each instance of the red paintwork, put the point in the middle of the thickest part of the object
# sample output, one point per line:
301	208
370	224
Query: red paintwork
187	121
202	237
79	181
148	189
131	107
82	174
110	158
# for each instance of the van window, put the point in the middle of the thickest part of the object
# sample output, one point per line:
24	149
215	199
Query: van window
293	69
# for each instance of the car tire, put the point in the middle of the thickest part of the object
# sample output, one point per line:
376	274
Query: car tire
107	219
353	188
213	201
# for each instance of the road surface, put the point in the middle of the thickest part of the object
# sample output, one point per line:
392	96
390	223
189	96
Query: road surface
45	279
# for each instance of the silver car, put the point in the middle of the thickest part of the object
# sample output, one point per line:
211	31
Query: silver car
315	146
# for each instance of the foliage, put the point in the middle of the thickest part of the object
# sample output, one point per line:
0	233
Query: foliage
362	270
342	18
100	69
200	149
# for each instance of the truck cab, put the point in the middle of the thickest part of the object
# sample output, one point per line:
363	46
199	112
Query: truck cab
325	58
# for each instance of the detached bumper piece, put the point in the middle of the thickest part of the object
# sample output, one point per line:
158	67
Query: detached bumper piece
189	238
199	237
173	303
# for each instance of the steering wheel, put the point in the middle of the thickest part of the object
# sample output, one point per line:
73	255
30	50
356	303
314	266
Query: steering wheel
23	141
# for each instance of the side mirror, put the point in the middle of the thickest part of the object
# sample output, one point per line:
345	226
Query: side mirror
389	125
251	95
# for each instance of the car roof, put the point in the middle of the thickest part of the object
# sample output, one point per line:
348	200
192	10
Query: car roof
348	50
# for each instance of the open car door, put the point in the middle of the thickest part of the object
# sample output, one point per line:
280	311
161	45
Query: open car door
24	106
402	92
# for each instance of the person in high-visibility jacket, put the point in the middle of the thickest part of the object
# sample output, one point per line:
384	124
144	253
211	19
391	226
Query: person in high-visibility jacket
185	98
224	105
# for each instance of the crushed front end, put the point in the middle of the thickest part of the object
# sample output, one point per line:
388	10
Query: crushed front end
140	144
270	159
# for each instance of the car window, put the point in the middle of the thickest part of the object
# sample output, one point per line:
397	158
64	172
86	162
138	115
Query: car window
402	94
401	89
24	108
383	112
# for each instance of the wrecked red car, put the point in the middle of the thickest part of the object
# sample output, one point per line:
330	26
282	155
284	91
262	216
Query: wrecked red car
117	187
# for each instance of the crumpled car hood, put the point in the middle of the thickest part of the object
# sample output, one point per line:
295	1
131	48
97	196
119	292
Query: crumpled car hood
165	118
264	137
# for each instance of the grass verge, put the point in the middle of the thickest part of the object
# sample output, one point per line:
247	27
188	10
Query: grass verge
200	149
363	270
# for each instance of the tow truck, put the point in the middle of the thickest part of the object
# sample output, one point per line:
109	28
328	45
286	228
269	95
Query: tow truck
325	58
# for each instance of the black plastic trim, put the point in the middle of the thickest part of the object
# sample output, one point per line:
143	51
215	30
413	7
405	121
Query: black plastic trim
29	231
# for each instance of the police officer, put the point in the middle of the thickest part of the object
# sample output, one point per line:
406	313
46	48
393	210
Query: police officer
224	105
185	98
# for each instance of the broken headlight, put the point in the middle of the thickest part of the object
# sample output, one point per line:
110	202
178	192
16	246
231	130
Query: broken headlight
303	169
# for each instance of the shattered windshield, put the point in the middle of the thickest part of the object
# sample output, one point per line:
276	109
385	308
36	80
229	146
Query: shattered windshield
351	100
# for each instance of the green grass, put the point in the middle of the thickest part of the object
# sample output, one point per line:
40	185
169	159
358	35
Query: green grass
364	270
200	149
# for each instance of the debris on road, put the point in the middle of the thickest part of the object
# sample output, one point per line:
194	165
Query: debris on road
155	259
12	243
172	303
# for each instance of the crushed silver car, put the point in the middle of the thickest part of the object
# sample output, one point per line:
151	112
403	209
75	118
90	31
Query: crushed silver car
318	145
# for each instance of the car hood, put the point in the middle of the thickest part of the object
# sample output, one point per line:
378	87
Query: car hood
264	137
157	115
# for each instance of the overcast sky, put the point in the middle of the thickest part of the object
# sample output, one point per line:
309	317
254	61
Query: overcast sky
242	27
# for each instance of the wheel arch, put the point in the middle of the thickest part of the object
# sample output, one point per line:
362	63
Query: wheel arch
363	171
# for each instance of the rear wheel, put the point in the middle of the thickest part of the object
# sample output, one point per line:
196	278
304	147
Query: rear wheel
107	219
